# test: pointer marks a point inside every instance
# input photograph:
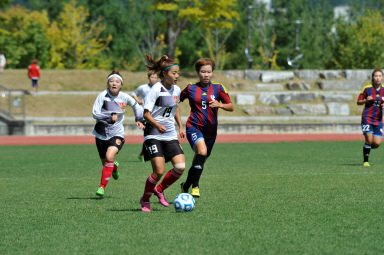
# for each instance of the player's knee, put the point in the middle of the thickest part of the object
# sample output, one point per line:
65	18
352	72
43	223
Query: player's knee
179	167
375	145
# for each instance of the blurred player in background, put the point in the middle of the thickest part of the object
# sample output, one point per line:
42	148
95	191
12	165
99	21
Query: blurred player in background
205	98
372	97
108	110
139	95
160	137
34	75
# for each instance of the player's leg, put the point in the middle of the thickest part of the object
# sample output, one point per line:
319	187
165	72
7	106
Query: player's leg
197	142
202	152
174	153
154	152
158	167
377	136
113	147
368	136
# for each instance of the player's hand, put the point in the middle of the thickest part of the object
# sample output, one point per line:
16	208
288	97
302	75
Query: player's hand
369	98
140	125
215	104
161	129
114	117
182	133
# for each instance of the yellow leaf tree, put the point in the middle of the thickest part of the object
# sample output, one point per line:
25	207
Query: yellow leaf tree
215	19
76	44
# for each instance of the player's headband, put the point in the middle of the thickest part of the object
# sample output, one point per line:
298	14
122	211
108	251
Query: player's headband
117	76
170	67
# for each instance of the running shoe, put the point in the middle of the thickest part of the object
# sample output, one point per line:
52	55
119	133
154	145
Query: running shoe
366	164
100	191
195	192
161	197
145	206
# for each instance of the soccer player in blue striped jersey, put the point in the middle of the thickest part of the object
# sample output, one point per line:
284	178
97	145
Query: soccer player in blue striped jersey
372	97
205	99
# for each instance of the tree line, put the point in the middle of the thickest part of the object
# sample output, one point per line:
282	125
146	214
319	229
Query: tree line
106	34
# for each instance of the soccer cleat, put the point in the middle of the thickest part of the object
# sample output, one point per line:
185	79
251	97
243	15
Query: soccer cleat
140	158
195	192
145	206
366	164
161	197
182	188
116	174
100	191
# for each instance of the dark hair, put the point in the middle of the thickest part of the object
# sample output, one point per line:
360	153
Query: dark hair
34	61
204	62
151	72
375	71
115	72
161	65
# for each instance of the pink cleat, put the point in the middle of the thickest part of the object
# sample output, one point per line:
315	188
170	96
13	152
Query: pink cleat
145	206
161	197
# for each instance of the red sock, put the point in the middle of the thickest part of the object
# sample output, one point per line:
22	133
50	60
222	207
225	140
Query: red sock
168	180
106	174
149	186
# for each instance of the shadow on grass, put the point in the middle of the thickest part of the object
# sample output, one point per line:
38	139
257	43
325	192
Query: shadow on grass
86	198
130	210
351	164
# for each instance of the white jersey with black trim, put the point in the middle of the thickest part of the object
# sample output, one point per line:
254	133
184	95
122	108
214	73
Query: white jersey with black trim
142	91
162	104
105	105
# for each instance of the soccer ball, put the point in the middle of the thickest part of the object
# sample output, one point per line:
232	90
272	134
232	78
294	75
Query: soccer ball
184	202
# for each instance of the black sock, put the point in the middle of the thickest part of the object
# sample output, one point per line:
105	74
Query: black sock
189	180
366	151
198	166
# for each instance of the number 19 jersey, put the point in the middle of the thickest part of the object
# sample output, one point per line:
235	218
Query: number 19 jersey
162	104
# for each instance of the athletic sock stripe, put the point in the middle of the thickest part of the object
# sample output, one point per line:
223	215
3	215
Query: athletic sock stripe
151	179
175	173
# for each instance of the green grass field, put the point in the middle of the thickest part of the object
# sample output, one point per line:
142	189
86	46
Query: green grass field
277	198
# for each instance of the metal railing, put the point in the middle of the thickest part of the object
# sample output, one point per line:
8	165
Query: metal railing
12	102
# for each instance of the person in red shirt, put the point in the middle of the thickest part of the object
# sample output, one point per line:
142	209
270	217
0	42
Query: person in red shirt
34	75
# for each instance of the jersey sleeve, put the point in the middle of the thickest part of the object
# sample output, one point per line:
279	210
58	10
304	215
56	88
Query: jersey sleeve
137	109
185	93
150	99
363	94
97	113
223	95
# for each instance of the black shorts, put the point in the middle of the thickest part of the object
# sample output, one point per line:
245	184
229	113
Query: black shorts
102	145
166	149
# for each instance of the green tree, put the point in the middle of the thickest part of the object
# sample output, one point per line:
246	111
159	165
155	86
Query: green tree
359	43
23	36
75	42
215	19
4	3
313	40
175	23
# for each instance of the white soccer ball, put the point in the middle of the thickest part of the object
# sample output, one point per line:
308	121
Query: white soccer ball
184	202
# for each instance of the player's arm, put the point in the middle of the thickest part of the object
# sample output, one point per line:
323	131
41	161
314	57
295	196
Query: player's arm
149	103
179	123
148	117
224	101
100	116
363	98
138	111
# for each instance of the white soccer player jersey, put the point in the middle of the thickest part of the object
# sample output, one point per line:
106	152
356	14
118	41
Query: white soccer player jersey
162	104
142	91
103	108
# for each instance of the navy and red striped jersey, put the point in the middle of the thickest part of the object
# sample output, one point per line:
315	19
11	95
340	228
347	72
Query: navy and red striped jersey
372	112
202	116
